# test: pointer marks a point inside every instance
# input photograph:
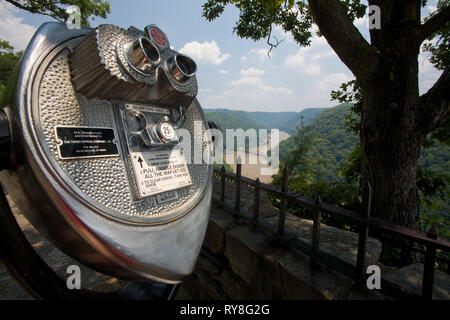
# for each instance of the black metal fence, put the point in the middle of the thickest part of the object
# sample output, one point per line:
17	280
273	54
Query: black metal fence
363	222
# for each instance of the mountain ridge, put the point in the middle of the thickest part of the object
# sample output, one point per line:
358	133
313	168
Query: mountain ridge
285	121
328	125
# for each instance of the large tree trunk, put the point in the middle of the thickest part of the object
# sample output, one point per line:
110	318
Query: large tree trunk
389	138
394	119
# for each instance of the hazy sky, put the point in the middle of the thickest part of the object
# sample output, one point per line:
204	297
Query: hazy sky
232	73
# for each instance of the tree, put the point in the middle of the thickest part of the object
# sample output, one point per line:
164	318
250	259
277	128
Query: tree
433	186
56	9
395	119
298	161
8	61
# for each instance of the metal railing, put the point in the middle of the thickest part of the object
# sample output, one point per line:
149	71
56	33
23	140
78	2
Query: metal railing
363	222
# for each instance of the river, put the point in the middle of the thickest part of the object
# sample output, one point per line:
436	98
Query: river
261	169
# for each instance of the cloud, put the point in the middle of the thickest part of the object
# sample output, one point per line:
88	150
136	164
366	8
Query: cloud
256	84
431	8
251	72
248	94
307	59
332	81
13	29
252	81
280	34
278	90
262	53
428	74
205	52
303	63
363	21
243	58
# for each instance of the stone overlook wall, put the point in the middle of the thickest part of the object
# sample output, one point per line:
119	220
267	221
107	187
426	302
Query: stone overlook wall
239	261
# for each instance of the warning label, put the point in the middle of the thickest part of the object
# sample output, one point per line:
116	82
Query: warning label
160	171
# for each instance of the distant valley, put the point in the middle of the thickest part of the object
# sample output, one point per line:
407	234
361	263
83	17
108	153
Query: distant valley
334	141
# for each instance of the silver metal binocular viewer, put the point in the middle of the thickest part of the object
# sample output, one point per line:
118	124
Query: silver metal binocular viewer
94	120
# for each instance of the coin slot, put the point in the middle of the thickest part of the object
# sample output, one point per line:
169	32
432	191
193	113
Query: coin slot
136	122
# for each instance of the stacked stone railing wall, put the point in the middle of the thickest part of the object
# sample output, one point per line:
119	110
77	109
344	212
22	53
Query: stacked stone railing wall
241	261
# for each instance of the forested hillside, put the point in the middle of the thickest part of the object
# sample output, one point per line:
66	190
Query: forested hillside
335	143
284	121
308	115
228	119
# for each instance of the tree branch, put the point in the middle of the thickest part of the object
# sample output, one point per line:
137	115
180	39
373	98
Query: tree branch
434	106
271	44
434	23
345	39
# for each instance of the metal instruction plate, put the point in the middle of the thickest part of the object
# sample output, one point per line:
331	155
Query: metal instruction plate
160	171
146	108
85	142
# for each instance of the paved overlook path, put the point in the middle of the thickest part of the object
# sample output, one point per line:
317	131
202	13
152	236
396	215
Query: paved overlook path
10	289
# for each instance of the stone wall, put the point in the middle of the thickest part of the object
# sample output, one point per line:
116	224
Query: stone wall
239	261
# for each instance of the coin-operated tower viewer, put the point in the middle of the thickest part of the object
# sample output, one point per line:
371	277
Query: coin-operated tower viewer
101	127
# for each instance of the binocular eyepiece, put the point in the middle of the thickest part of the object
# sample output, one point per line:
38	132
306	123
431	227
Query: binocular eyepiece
181	67
143	55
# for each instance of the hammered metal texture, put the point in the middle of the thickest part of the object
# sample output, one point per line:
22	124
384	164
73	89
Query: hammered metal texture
103	181
99	69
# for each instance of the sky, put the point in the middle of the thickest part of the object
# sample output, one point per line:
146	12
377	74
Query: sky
233	73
